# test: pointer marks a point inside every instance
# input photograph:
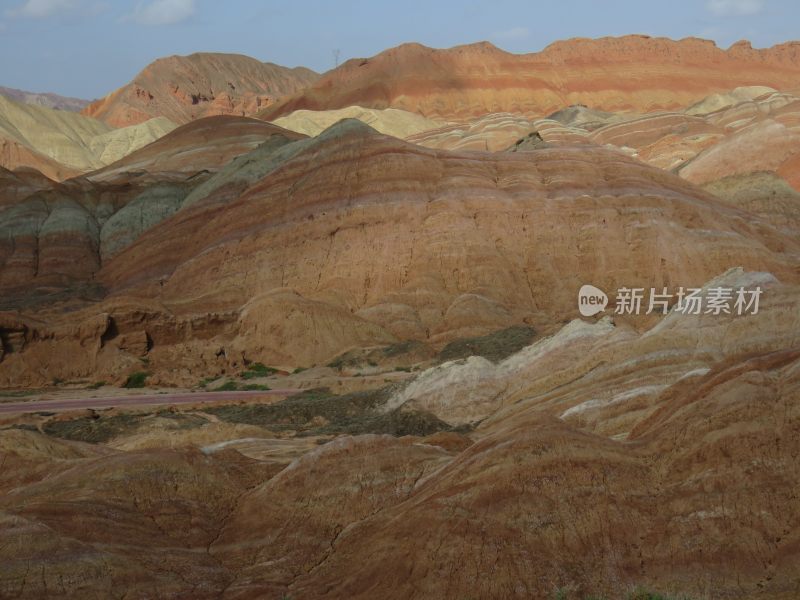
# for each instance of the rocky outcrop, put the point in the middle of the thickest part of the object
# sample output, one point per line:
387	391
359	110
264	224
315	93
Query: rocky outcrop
303	530
545	506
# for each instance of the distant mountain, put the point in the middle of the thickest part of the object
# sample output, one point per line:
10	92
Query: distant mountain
633	72
46	99
62	144
184	88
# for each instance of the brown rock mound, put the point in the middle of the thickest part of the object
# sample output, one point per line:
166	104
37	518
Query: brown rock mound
183	88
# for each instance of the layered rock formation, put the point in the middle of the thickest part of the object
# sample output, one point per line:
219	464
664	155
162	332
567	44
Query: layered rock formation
758	133
302	249
513	449
601	461
199	147
63	144
397	123
183	88
498	132
628	73
60	234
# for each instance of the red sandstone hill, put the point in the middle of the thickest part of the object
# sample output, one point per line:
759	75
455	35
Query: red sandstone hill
183	88
627	73
370	239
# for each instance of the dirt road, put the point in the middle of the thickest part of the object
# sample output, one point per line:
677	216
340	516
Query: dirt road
61	404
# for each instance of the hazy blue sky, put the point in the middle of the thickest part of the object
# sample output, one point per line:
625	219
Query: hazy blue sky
86	48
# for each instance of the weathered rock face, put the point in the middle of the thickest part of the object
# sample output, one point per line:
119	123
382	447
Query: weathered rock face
765	194
14	155
83	500
17	185
544	507
626	73
183	88
606	459
374	240
418	203
558	373
755	133
302	528
148	208
60	234
698	400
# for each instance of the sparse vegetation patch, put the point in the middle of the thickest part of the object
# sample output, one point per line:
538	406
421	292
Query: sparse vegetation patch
319	411
258	370
494	346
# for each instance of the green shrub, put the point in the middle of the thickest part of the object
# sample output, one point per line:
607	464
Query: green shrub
228	386
258	370
136	380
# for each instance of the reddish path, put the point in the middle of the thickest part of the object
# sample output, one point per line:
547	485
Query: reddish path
136	400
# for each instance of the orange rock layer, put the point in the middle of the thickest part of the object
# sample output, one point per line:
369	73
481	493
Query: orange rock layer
627	73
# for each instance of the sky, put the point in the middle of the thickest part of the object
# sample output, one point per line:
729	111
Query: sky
88	48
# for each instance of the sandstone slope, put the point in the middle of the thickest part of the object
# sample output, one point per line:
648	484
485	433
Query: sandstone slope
601	460
303	249
60	234
61	144
397	123
183	88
